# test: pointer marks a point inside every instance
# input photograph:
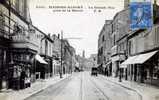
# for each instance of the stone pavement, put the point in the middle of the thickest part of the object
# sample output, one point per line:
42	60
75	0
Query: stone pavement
146	91
36	87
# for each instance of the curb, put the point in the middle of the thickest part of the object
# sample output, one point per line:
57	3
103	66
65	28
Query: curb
26	96
44	88
131	89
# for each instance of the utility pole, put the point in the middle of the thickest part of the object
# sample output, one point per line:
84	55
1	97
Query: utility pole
61	54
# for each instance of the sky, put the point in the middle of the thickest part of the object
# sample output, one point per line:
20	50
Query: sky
85	24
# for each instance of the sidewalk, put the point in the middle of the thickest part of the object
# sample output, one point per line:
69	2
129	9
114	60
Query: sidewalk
36	87
146	91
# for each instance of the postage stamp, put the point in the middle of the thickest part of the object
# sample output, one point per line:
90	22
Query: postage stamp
141	15
140	0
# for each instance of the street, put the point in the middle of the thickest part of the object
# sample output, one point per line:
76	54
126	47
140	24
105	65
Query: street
83	86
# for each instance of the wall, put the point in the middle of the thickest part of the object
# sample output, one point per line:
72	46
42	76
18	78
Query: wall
144	41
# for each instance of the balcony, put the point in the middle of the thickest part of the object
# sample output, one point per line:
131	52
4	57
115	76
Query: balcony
25	41
20	38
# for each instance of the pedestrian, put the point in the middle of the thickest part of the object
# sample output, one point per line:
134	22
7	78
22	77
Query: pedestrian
15	79
22	79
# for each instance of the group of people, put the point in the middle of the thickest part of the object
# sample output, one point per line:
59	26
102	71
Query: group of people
21	77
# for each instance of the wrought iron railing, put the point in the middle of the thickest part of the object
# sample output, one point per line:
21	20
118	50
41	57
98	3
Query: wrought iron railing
15	31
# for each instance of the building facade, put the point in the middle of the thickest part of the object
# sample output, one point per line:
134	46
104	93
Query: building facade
93	58
26	53
101	47
104	46
15	26
68	57
142	45
134	53
56	54
120	27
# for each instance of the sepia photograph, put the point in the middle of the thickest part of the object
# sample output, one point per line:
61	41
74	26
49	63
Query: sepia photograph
79	49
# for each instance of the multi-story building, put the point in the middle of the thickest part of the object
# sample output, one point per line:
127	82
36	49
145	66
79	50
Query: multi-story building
83	63
107	49
135	52
68	56
19	54
4	47
104	46
120	27
142	63
79	62
43	68
21	46
93	58
56	53
73	59
101	46
92	61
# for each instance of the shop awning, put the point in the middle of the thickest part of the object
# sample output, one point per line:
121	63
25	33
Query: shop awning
139	59
40	59
130	60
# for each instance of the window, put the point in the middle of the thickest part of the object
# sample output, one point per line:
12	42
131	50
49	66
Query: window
2	21
130	47
103	38
114	40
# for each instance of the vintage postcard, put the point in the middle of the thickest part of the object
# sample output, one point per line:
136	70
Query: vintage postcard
79	49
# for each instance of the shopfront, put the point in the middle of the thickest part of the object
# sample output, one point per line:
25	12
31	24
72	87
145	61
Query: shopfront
41	67
143	67
115	65
108	68
4	60
21	68
3	68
